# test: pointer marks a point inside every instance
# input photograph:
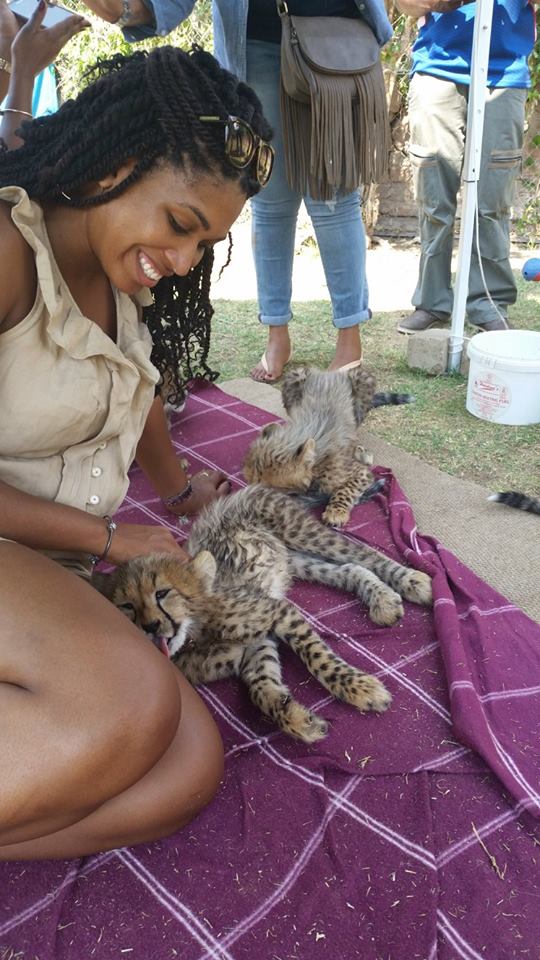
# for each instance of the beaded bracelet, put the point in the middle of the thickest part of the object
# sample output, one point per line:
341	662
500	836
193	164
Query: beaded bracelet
178	497
111	527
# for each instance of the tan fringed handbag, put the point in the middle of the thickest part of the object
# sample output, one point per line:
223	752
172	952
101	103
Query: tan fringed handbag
333	104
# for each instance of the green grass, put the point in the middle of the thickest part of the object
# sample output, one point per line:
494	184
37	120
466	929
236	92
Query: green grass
437	427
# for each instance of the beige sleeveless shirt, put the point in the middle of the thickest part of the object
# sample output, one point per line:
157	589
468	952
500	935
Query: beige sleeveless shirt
73	403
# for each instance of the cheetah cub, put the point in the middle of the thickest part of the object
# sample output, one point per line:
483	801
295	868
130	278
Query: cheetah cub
319	447
224	613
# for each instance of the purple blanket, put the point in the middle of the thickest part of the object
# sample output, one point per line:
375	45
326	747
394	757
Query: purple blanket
407	836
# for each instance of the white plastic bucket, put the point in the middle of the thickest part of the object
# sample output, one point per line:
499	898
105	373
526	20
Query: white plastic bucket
504	376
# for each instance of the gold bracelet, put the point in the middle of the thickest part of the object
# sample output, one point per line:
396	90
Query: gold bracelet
5	65
12	110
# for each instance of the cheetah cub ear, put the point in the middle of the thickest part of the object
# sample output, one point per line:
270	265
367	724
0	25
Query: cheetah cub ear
270	428
306	453
205	567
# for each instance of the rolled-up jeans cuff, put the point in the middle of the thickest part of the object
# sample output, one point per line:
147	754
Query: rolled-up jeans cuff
341	323
275	321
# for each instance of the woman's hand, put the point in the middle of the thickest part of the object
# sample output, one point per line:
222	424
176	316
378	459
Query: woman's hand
35	47
9	27
207	485
137	540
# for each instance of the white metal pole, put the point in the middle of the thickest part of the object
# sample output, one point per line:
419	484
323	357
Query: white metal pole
471	173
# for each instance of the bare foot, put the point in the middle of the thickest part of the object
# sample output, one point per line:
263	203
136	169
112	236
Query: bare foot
276	355
348	348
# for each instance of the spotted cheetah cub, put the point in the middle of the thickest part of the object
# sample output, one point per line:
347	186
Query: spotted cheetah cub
319	447
224	613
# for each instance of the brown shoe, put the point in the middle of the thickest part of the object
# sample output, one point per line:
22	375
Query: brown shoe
494	325
422	320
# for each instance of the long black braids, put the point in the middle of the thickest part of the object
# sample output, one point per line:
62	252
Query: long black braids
144	106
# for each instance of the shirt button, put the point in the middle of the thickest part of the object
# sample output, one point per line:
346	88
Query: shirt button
102	445
94	499
96	471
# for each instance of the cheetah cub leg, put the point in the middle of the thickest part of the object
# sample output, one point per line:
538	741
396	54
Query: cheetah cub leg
216	663
342	680
384	604
414	586
344	498
261	672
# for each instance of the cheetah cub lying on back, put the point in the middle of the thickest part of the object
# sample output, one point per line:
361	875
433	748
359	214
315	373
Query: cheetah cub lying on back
223	613
319	447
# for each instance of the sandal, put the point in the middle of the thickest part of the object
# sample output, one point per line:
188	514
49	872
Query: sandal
348	366
264	364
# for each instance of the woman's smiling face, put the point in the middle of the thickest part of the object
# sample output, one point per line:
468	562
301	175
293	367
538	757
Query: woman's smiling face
160	225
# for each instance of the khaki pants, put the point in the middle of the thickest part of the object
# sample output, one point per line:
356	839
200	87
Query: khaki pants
438	122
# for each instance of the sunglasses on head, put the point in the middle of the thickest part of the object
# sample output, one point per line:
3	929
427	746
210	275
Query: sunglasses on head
243	145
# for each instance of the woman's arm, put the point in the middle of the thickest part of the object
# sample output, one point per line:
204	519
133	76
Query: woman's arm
31	49
159	462
9	26
29	519
159	17
45	525
134	12
420	8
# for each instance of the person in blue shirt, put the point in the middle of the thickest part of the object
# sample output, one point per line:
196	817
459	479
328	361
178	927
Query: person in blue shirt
438	100
247	36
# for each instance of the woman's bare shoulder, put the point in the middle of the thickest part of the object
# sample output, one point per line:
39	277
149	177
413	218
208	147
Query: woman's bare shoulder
17	272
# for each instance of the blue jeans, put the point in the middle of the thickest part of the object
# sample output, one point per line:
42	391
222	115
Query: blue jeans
338	224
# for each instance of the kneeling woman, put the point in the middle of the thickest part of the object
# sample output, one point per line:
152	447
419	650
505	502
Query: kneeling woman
108	215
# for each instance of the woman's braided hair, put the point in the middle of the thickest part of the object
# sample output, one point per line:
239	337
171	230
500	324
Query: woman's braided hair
144	106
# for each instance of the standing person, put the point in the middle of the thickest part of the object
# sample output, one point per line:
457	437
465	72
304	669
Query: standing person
247	35
438	100
109	211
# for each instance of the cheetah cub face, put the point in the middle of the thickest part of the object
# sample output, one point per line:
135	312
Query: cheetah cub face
159	595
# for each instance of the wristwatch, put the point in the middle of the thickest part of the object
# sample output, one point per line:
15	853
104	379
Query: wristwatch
125	18
5	65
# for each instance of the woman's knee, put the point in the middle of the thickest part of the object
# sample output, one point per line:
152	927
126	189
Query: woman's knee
140	711
194	786
126	720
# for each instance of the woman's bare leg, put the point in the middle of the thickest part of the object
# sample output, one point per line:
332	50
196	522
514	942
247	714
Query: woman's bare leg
89	709
277	353
348	347
169	796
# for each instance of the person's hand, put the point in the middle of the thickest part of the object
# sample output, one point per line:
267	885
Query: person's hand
422	8
446	6
137	540
207	485
35	47
9	27
440	6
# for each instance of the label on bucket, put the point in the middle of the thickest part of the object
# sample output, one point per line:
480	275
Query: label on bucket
490	395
